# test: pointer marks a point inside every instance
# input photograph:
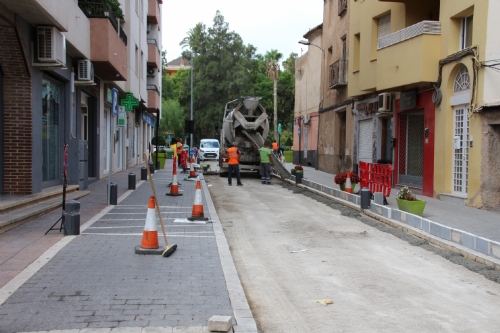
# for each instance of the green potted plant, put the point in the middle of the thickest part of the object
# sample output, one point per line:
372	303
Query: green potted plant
408	202
340	179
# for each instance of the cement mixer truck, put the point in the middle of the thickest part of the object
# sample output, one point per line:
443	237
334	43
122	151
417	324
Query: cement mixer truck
247	125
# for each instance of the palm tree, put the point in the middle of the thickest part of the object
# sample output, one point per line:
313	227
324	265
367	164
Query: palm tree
272	70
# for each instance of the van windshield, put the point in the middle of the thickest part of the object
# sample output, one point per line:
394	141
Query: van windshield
210	144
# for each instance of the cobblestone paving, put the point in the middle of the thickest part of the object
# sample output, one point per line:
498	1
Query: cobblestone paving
98	281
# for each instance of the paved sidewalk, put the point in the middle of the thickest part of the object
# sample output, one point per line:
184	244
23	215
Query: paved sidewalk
95	280
477	222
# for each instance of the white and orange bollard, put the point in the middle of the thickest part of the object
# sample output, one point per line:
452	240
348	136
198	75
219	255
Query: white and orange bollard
192	172
149	244
174	186
348	185
197	212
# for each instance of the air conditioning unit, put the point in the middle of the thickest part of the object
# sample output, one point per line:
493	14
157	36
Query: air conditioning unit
385	103
85	70
306	119
151	71
51	46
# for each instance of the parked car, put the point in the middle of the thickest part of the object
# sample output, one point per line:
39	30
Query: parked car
209	149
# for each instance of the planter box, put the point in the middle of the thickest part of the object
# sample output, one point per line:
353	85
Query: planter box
413	207
161	157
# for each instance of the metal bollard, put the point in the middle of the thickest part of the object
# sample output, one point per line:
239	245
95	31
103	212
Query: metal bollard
71	218
298	178
365	198
144	173
113	198
131	181
151	168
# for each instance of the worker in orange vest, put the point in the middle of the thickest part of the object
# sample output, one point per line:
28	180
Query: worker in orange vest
233	154
275	148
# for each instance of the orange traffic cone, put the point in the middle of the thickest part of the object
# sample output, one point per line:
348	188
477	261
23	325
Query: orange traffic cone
192	172
197	213
174	187
150	234
348	186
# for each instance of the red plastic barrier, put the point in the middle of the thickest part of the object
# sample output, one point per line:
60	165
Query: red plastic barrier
377	177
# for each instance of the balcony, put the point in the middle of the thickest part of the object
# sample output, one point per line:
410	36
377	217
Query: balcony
342	7
409	57
108	53
154	58
154	103
338	74
153	12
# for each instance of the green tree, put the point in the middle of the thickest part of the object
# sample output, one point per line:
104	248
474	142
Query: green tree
172	120
272	70
222	66
289	63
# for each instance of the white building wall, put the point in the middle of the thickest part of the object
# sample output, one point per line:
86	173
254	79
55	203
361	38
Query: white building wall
492	52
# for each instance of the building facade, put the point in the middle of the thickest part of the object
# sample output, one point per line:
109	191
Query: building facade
60	65
422	74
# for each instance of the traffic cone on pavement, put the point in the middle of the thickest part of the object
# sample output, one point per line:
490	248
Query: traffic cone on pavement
174	187
192	172
150	234
348	185
197	213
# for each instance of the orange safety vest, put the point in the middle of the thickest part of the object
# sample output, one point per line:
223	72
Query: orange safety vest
233	156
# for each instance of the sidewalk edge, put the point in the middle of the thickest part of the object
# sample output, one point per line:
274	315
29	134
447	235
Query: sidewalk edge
239	303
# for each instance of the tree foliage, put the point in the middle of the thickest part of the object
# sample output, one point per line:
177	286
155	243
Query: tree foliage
172	121
289	63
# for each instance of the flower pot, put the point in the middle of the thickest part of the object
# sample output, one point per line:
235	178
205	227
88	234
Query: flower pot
342	186
413	207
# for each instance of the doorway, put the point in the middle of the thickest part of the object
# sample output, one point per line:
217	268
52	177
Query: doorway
460	149
411	149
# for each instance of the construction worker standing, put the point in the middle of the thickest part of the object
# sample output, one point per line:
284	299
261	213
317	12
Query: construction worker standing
275	147
265	164
180	148
233	154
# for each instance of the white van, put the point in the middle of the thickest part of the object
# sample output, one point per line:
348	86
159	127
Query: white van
209	149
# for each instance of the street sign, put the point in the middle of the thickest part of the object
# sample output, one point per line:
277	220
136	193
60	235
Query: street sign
279	129
114	102
122	116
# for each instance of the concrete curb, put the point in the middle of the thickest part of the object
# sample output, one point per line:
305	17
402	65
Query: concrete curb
473	247
243	316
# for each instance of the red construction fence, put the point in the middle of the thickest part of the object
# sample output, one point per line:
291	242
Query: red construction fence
377	177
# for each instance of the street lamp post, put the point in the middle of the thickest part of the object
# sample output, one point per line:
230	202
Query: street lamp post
322	89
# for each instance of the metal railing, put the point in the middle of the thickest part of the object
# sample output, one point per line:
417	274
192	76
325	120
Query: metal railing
152	87
421	28
123	36
342	6
98	10
338	73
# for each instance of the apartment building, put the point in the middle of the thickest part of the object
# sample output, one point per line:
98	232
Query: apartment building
424	80
80	73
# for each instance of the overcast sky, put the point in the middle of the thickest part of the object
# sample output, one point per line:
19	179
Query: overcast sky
271	24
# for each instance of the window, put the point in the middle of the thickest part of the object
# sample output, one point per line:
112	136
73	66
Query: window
462	80
137	59
357	54
466	32
342	6
384	26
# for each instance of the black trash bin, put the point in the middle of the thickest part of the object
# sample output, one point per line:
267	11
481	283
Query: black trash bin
113	194
365	198
144	173
151	167
298	177
71	218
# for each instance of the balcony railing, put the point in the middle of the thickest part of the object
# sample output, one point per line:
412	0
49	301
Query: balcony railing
342	6
123	36
338	74
98	10
421	28
153	87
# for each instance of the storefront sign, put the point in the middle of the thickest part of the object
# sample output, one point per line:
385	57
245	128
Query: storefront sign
122	116
148	119
114	102
408	100
129	101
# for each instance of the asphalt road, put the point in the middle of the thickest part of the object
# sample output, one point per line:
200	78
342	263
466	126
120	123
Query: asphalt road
291	250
